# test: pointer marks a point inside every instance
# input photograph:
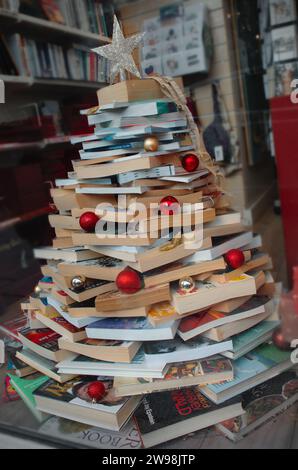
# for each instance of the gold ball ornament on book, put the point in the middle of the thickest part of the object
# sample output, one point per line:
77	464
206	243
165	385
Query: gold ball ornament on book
186	284
37	290
151	144
78	283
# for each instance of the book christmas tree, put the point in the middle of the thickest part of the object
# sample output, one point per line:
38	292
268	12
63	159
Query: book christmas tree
157	304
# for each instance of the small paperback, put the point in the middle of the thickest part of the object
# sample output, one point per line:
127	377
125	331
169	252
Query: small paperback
44	342
71	401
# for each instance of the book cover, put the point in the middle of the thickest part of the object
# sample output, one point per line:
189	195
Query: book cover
43	337
98	438
76	392
264	401
244	339
159	410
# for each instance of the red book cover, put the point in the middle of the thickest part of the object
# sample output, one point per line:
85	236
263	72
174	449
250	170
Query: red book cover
199	319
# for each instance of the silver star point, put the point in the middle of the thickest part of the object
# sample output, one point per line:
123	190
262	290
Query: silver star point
119	53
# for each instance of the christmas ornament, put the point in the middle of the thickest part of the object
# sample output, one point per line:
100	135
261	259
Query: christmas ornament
37	290
151	144
186	284
78	283
235	258
190	162
129	281
169	205
96	391
88	221
120	53
279	340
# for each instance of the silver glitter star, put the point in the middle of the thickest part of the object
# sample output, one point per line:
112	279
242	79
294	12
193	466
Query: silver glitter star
119	53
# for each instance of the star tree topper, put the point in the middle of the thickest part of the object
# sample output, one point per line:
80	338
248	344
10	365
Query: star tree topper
120	53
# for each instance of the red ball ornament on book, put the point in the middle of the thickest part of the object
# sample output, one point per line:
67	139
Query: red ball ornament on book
279	340
190	162
96	391
235	258
129	281
88	221
169	205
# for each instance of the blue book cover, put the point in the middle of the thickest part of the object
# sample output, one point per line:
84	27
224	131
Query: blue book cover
251	335
259	360
136	324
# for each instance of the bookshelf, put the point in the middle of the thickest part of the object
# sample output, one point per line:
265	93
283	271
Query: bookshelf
15	82
24	23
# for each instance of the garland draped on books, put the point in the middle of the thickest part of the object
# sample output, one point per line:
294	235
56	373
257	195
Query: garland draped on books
172	91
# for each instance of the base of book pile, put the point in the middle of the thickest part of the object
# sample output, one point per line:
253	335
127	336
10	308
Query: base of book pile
150	337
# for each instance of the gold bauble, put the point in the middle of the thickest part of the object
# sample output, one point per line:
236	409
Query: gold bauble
186	284
151	144
37	290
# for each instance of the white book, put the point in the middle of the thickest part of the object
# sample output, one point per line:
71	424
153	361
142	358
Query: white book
131	329
83	138
110	153
83	365
74	181
176	350
157	172
220	249
186	178
113	190
73	254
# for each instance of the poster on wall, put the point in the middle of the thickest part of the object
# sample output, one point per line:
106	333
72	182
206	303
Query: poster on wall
178	41
282	11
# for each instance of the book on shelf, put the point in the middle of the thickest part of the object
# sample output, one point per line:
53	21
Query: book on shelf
262	404
71	401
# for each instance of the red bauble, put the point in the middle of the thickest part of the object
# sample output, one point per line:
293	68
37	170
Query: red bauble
190	162
235	258
169	205
88	221
96	391
129	281
279	340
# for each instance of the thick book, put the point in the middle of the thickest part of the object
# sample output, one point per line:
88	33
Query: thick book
221	246
261	364
102	268
178	375
164	416
60	325
44	342
206	294
73	255
71	401
101	349
262	404
131	329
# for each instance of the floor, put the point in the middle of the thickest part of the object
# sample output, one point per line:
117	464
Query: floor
280	434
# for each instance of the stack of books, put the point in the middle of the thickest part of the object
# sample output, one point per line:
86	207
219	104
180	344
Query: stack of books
139	315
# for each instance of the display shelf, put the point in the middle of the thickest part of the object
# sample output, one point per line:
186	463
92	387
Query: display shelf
39	144
25	23
25	217
14	83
